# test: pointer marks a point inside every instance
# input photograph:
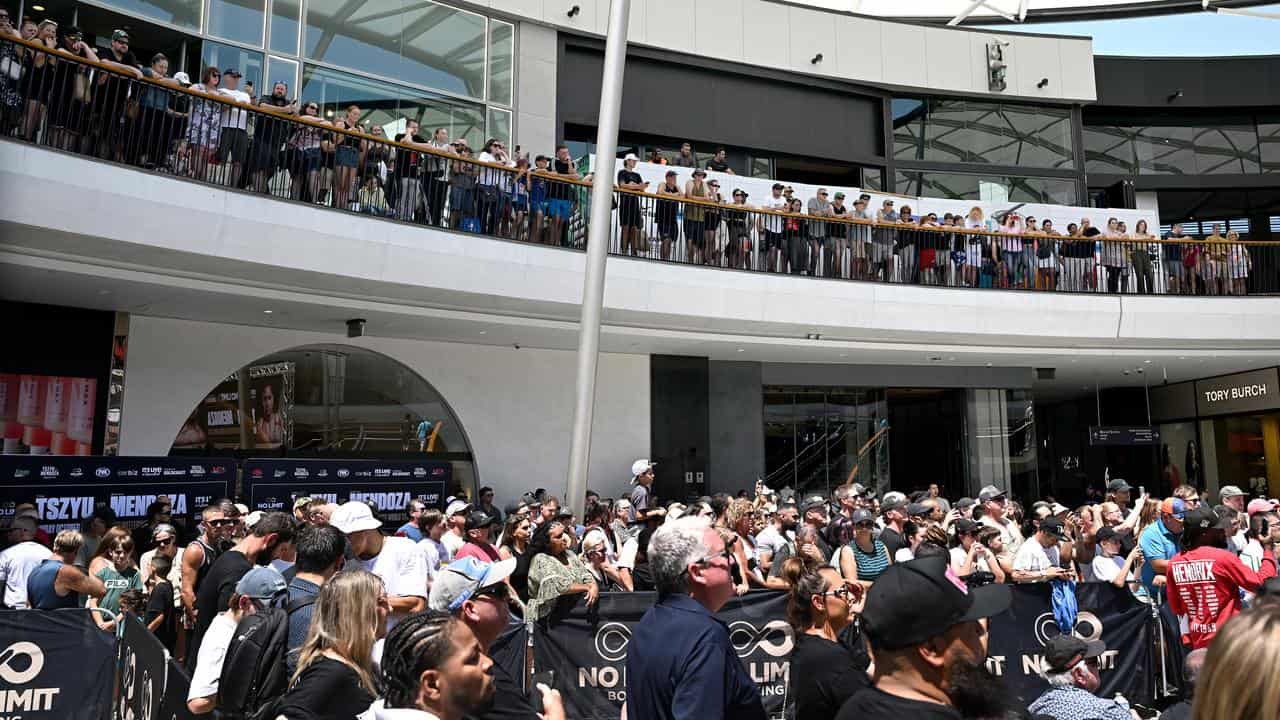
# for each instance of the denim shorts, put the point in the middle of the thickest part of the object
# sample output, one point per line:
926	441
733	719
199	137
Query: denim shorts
560	208
347	156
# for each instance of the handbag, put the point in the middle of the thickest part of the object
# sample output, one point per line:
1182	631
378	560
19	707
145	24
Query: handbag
11	67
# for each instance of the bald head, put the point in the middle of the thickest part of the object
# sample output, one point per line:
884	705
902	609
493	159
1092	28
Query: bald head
1192	665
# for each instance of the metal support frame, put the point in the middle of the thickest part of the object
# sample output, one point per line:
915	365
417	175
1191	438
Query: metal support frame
615	58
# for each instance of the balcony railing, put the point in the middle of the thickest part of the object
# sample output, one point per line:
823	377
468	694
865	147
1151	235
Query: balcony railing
60	99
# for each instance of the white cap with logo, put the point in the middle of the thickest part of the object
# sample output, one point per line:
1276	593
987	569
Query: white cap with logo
353	517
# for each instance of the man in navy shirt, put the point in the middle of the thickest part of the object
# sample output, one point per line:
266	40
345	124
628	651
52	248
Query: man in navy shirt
681	665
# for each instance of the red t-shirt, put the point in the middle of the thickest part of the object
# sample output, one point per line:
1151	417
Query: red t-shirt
1204	589
484	553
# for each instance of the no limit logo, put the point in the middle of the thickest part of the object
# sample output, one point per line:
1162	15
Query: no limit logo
775	638
15	672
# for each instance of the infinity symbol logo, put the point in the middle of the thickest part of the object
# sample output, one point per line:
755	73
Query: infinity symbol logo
1088	627
35	662
611	641
775	638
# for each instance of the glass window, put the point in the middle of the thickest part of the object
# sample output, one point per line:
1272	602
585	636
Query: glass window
998	188
248	62
281	70
1269	146
1165	150
284	26
424	43
1227	150
813	437
238	20
760	167
500	125
1109	150
183	13
980	132
385	104
872	179
501	51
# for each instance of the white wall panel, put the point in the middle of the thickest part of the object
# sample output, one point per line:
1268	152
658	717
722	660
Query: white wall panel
671	24
1076	79
719	27
947	58
516	406
858	48
1038	60
766	40
637	21
811	34
904	55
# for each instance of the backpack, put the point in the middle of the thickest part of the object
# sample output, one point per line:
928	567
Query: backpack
254	674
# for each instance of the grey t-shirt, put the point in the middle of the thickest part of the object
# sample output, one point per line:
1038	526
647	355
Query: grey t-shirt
821	208
640	497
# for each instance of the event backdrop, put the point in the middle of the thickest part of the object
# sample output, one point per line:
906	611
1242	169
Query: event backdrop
274	483
66	490
55	666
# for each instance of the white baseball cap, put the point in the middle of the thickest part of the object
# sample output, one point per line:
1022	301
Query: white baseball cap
630	156
457	506
641	467
353	517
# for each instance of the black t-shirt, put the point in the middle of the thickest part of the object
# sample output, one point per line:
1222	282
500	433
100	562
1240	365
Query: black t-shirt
407	161
111	85
509	701
892	540
218	587
823	677
159	603
326	690
560	190
874	704
717	166
269	130
626	177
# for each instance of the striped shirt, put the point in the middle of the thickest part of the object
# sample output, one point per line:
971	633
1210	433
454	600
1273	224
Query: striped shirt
870	564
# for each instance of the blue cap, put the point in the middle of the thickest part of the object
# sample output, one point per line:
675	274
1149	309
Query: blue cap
461	579
262	583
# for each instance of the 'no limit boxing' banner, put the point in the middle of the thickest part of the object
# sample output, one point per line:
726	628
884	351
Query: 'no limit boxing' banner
273	484
66	490
587	649
55	666
1017	638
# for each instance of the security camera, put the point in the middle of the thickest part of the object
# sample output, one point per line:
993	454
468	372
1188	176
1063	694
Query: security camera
573	11
516	346
355	327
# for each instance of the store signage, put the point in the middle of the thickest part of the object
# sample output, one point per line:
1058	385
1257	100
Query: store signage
273	484
67	490
1239	393
1123	435
1173	402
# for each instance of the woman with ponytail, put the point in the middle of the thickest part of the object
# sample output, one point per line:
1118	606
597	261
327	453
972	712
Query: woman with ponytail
821	607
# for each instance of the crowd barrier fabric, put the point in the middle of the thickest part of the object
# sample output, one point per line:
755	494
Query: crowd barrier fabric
272	484
55	666
1017	639
142	673
65	490
587	649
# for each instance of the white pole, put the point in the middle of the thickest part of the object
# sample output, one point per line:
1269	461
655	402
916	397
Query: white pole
598	232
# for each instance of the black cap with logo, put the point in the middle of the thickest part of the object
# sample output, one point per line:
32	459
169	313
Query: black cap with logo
916	600
1062	652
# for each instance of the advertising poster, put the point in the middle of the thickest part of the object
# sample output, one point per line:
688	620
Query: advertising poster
273	484
47	414
215	422
66	490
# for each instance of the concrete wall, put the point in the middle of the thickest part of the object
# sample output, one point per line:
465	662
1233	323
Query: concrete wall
735	397
536	51
864	49
516	406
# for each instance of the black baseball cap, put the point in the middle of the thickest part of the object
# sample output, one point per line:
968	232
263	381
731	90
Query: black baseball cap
1205	518
916	509
813	502
231	72
1118	485
916	600
777	186
1053	526
480	519
1105	534
1062	652
965	526
861	515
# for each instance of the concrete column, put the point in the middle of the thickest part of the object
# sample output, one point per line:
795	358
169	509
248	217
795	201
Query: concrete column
736	414
986	440
536	51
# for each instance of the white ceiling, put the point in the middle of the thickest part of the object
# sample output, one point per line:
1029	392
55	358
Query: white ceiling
1077	368
1002	10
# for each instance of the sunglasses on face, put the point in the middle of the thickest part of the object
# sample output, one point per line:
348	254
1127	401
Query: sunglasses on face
843	592
224	522
166	542
498	592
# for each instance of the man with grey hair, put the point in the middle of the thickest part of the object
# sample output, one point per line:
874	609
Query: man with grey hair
1071	668
681	664
1190	674
57	583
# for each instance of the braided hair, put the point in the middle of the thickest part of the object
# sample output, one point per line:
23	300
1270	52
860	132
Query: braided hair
421	642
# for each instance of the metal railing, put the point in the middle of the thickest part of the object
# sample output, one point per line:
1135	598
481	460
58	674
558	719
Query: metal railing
63	100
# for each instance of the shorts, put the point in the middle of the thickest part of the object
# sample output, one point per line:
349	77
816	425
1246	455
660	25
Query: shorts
558	208
347	156
713	221
1173	268
881	252
928	257
629	212
233	145
264	155
520	203
772	240
693	230
821	240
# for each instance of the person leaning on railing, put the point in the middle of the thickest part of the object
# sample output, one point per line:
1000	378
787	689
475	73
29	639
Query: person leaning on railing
11	72
462	190
69	97
304	153
155	127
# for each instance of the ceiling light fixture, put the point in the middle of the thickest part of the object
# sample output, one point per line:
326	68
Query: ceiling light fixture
1175	94
741	350
267	312
38	8
812	336
484	332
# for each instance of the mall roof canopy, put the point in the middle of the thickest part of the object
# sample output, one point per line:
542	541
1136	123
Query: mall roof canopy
958	12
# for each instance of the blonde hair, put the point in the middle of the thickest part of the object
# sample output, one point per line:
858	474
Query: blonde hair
345	622
1237	682
68	541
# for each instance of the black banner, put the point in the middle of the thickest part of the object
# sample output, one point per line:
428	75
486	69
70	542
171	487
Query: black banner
1017	637
273	484
65	490
587	650
174	704
142	673
55	666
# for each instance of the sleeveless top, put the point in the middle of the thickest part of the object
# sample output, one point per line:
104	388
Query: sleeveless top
210	554
694	212
41	592
871	564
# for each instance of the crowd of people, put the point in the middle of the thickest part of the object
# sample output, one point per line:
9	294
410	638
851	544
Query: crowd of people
888	596
335	156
